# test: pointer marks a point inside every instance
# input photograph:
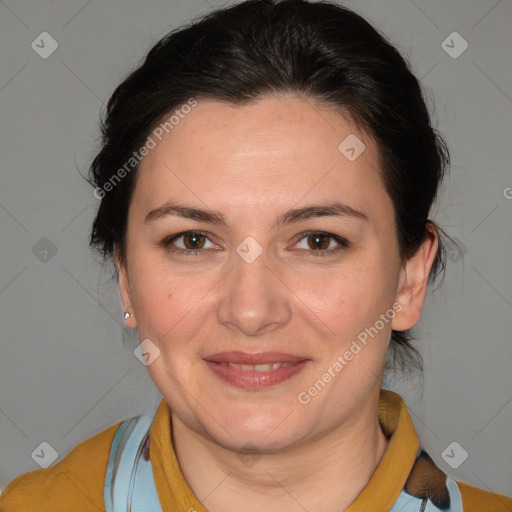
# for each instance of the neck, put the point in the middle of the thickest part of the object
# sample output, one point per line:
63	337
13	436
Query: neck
325	474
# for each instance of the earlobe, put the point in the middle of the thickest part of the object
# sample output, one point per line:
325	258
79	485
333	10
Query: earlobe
413	281
124	291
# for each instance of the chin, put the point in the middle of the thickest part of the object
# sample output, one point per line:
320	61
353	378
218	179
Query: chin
264	431
257	442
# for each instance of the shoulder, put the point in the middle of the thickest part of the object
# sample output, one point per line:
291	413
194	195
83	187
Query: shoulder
74	483
475	499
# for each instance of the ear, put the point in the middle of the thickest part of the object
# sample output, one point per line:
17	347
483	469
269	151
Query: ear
413	280
124	290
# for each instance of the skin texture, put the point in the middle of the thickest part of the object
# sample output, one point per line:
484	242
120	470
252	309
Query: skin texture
253	163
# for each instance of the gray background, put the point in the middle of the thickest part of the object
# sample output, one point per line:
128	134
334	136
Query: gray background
65	373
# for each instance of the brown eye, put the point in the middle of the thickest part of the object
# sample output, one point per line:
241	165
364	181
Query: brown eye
318	241
191	243
194	240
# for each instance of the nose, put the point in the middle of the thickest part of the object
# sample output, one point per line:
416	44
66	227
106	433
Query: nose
253	299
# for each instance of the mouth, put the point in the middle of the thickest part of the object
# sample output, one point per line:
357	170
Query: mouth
255	371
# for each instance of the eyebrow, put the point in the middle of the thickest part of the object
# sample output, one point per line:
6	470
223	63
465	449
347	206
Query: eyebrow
289	217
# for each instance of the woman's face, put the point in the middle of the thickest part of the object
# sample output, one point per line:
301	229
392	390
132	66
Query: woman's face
293	260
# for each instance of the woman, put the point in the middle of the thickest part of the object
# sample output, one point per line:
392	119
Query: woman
266	178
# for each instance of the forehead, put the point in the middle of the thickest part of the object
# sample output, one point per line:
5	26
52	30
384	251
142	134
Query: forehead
271	127
281	148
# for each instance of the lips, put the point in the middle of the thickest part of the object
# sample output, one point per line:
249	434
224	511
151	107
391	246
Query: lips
265	367
253	359
255	371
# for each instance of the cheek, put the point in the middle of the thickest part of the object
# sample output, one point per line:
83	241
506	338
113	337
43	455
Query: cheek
166	305
163	298
339	302
349	298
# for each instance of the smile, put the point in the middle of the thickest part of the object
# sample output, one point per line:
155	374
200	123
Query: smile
266	367
255	371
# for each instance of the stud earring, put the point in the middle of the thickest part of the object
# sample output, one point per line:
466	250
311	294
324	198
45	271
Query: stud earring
127	315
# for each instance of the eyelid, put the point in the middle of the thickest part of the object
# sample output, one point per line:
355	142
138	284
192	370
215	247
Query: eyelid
341	241
167	241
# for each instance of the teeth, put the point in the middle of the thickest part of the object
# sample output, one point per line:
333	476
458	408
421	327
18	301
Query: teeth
267	367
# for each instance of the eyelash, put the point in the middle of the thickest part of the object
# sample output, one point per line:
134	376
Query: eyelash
343	243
